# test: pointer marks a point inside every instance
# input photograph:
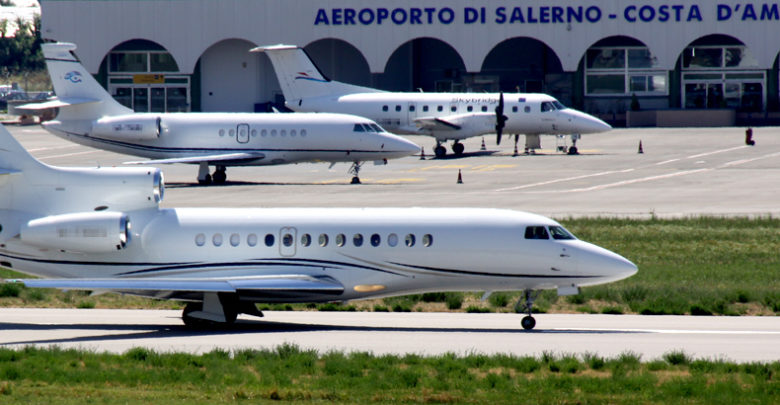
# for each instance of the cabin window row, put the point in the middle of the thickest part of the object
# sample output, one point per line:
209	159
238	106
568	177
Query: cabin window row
265	132
340	240
454	108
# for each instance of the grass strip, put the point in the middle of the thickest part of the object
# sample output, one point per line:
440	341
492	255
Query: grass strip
288	373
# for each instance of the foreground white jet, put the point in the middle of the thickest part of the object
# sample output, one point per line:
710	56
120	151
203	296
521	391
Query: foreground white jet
90	116
444	116
103	230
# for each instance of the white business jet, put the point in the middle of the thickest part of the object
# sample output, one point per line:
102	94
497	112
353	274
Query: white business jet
444	116
103	230
88	115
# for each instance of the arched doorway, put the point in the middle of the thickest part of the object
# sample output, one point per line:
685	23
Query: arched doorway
522	64
339	60
230	76
719	71
426	64
144	76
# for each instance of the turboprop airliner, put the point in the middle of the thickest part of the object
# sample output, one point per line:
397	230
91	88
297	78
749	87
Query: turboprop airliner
88	115
444	116
103	230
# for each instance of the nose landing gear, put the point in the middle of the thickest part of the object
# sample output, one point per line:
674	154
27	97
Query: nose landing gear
526	305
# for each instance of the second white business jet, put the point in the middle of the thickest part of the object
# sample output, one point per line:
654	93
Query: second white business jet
103	230
444	116
90	116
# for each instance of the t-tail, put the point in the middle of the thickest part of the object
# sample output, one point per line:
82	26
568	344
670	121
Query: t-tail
42	204
79	95
300	78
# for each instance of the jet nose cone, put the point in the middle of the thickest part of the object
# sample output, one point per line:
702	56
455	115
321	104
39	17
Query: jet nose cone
399	146
588	124
605	265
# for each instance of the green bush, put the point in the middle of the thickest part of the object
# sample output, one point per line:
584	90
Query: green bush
10	289
454	300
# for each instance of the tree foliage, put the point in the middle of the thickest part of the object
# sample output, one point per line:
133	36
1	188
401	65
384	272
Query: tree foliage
21	52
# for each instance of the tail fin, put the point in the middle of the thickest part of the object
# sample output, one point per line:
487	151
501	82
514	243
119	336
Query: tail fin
80	95
300	78
13	157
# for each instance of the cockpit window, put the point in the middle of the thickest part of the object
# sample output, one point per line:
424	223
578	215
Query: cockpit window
368	128
358	128
536	232
377	128
558	105
559	233
547	106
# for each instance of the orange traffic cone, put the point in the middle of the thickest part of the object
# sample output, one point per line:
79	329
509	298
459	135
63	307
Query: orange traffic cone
460	178
640	147
483	144
422	153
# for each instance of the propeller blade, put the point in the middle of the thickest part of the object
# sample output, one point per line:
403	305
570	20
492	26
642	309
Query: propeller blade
500	118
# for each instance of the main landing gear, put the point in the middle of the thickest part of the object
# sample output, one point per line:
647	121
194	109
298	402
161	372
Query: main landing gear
354	170
526	305
216	310
440	151
205	178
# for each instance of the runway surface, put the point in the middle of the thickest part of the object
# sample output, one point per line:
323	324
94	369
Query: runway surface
740	339
682	172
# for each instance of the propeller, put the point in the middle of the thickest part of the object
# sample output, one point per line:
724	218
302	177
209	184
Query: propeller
500	118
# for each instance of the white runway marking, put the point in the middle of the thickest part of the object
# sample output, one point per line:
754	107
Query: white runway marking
544	183
717	151
68	154
640	179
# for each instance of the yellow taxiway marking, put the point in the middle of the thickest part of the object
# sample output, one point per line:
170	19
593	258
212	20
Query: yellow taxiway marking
490	168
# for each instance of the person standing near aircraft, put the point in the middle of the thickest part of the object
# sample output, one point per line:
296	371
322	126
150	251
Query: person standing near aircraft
444	116
88	115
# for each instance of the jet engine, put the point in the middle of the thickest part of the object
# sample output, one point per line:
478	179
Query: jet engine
128	128
86	232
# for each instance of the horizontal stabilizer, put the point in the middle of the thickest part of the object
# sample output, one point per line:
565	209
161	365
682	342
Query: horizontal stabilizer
203	158
281	283
57	103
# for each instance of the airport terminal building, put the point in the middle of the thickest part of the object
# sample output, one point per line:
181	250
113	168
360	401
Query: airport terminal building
629	62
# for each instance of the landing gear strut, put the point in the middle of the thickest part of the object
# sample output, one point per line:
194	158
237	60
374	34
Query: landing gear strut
528	322
203	173
573	148
355	170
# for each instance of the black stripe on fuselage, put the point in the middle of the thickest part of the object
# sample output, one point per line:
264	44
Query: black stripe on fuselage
478	273
159	149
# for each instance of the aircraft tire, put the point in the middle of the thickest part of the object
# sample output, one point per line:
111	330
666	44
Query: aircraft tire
205	181
219	177
458	148
573	150
439	151
528	322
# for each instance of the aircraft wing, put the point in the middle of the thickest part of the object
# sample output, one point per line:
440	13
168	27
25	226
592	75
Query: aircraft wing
450	122
57	102
203	158
303	284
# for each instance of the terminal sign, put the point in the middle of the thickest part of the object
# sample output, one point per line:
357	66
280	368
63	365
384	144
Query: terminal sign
547	14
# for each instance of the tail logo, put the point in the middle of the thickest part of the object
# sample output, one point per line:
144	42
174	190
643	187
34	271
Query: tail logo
73	77
305	76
